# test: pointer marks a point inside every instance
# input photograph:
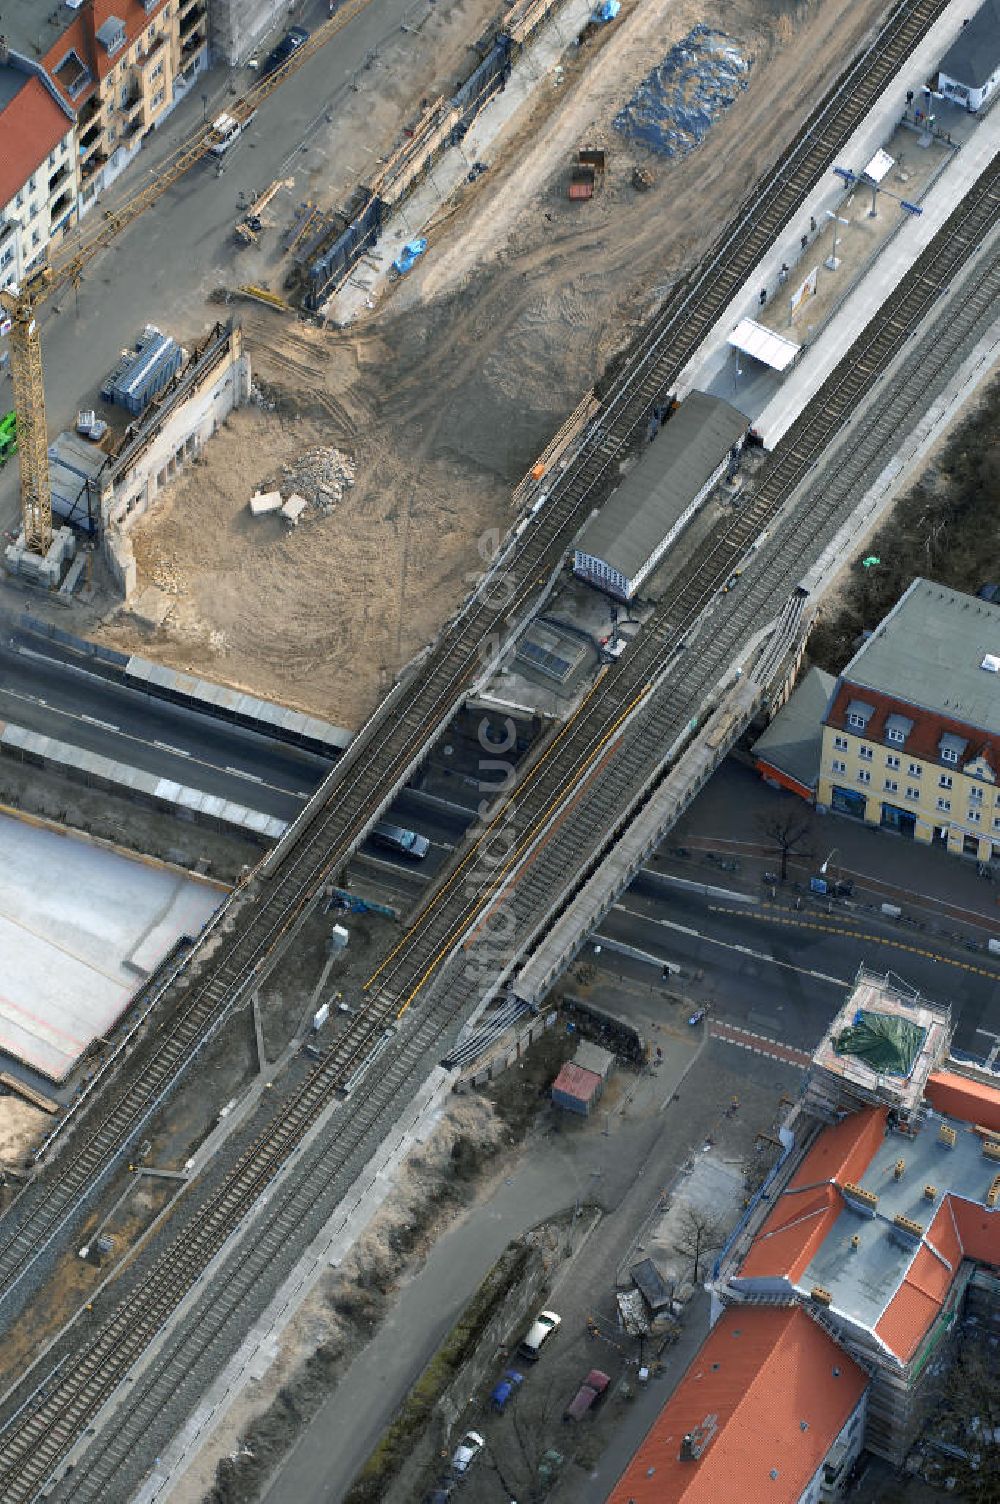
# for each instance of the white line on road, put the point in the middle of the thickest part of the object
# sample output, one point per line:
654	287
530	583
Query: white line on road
240	773
743	950
93	721
177	751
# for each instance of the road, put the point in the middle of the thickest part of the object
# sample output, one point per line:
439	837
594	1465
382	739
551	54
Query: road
782	973
165	265
46	688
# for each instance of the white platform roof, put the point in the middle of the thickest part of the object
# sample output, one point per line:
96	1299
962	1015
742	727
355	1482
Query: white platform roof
879	165
763	344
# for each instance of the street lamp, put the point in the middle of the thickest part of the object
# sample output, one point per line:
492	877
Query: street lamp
832	261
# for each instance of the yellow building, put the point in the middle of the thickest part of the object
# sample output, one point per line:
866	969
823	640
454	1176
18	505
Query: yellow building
911	738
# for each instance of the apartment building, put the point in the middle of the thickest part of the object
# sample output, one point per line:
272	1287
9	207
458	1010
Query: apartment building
882	1222
117	67
38	173
911	738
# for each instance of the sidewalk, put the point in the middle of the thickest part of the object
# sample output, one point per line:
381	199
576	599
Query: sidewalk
728	815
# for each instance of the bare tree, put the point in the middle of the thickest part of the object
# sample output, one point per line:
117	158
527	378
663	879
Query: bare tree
698	1233
969	1413
788	831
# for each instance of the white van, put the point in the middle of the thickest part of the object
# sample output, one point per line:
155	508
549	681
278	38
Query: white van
225	130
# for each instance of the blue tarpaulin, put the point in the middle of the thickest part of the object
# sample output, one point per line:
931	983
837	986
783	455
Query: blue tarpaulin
409	254
607	11
673	108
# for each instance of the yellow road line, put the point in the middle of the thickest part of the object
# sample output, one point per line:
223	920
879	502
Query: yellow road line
852	934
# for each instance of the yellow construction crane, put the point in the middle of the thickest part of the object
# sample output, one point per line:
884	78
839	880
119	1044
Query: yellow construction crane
66	268
29	408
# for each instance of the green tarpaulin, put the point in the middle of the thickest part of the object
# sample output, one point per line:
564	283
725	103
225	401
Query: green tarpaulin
886	1043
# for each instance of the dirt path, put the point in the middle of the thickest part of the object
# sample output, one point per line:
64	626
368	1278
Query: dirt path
448	392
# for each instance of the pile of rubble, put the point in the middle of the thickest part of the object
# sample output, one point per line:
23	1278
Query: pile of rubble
321	475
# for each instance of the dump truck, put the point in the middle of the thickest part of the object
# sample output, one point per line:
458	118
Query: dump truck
586	173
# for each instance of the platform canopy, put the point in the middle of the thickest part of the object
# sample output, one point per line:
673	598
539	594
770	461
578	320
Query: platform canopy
763	344
879	165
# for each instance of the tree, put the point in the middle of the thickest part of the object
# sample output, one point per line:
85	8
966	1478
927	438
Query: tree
788	831
698	1233
968	1415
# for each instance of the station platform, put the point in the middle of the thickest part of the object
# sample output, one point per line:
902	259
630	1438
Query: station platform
773	401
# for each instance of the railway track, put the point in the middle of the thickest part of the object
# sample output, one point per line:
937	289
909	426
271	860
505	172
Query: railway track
391	744
33	1445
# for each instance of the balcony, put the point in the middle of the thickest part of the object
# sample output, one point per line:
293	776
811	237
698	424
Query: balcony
58	178
89	139
194	43
88	111
92	165
193	18
145	60
62	206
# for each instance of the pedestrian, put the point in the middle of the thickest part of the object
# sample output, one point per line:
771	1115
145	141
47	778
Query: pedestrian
812	223
763	296
805	242
783	274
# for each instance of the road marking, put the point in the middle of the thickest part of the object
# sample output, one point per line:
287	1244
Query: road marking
238	772
743	950
791	922
104	725
177	751
758	1044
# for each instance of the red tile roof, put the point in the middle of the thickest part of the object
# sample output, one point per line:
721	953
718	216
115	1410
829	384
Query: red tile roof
782	1391
958	1097
30	125
810	1204
81	37
928	727
960	1229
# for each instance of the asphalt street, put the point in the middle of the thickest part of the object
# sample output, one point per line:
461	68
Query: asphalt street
163	267
49	689
783	973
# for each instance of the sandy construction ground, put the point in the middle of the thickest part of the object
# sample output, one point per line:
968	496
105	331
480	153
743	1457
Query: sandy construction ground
445	395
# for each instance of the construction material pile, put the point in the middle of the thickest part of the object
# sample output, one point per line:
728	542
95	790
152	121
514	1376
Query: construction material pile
673	108
321	475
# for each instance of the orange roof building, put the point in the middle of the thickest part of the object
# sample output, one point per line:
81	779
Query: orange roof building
31	126
756	1416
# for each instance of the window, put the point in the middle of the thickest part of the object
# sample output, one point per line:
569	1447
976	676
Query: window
895	735
858	722
996	822
157	99
841	767
914	770
912	793
864	776
944	804
36	236
840	742
123	96
948	754
112	134
19	201
891	761
157	72
945	781
8	257
974	816
976	796
52	159
891	786
865	753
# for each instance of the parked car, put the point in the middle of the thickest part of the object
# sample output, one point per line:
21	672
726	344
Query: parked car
294	38
990	593
588	1394
397	838
545	1323
467	1451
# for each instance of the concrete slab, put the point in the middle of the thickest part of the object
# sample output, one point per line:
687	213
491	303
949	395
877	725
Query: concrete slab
76	924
